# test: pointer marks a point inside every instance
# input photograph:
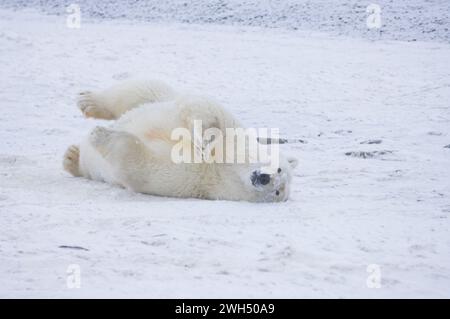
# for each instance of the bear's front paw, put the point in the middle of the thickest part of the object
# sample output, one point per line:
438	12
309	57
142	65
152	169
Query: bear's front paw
100	136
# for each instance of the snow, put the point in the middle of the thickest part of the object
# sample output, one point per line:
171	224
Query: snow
407	20
389	207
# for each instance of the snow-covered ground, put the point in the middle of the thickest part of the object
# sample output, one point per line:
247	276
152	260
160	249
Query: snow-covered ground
407	20
346	212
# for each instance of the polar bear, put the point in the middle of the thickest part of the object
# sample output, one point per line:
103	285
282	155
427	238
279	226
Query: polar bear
136	150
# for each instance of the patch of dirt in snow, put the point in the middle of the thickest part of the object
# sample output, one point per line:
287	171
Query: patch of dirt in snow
370	154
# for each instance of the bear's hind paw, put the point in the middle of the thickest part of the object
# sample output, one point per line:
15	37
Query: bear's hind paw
71	160
90	106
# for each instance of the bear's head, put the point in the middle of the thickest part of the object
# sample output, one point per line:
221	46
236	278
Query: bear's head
270	185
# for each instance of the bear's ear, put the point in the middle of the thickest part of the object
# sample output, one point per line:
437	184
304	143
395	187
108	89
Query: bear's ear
293	162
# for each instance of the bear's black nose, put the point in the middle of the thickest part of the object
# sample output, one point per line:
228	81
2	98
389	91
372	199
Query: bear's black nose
260	179
264	179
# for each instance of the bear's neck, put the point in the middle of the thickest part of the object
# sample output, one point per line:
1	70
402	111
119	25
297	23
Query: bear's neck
224	182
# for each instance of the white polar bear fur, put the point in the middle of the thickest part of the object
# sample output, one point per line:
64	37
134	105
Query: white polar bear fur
135	151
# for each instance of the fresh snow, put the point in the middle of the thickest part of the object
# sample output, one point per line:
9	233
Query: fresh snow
372	186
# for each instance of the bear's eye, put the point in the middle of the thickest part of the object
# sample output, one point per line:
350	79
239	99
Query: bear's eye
277	193
279	170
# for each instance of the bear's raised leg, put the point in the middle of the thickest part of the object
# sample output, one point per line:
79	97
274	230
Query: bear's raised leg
111	103
125	152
